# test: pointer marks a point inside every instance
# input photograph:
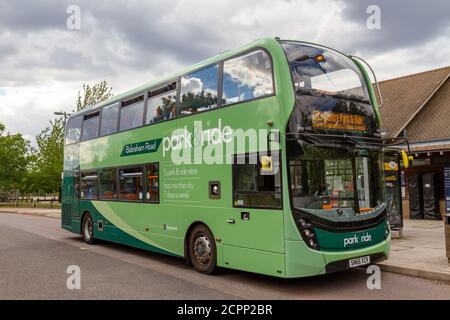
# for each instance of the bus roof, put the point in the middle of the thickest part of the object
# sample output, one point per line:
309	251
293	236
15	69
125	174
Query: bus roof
264	42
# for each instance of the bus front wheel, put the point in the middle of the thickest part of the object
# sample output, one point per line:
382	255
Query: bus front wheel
87	229
202	250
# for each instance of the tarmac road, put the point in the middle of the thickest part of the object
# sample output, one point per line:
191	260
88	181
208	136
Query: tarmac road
35	254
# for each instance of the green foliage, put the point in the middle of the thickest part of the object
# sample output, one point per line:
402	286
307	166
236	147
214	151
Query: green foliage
31	171
197	101
45	174
93	94
15	154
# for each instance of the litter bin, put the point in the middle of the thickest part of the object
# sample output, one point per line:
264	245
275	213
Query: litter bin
447	234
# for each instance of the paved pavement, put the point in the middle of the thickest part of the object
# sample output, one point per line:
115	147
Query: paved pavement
51	213
420	252
35	253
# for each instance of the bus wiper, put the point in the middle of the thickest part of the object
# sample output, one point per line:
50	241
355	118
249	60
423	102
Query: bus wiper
318	93
310	139
350	97
320	142
359	143
310	92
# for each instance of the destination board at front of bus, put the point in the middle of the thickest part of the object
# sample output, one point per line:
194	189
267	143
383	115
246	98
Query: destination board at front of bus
337	121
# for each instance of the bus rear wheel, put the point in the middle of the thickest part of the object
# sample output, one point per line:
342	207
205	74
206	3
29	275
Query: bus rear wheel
202	250
87	229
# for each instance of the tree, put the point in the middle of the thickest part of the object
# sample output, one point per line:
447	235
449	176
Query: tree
48	166
93	94
48	163
15	152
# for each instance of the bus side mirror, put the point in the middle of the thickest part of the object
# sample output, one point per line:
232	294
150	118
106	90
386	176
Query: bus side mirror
406	159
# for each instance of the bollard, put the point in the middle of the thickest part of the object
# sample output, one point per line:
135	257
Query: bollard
447	234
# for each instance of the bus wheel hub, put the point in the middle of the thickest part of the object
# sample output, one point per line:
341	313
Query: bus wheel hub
202	249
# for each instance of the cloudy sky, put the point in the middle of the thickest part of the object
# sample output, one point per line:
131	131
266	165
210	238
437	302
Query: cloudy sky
43	64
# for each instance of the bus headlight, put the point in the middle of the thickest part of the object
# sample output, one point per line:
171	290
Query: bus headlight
307	233
303	223
313	244
387	231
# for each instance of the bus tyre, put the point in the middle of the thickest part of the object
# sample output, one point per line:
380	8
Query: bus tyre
87	229
202	250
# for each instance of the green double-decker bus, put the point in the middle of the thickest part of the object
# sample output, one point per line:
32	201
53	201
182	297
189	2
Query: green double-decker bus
267	158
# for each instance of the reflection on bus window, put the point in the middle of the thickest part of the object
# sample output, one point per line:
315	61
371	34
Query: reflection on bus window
73	131
108	182
88	184
130	184
110	116
319	71
90	126
152	182
132	114
247	77
199	91
162	104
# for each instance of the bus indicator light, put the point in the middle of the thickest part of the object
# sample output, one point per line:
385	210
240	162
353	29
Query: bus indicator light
319	58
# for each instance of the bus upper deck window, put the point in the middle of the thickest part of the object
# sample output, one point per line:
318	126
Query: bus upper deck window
247	77
73	131
132	113
199	90
90	126
110	115
162	104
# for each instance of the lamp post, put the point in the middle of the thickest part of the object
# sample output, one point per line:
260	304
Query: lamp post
65	115
62	113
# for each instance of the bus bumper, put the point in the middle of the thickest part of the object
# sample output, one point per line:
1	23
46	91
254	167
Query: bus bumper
301	261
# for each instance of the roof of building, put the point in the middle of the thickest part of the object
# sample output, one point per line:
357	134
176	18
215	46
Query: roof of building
419	103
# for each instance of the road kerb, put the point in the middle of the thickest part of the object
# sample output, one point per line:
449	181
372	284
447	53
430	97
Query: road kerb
415	272
33	213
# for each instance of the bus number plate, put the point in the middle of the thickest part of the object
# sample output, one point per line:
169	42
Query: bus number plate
352	263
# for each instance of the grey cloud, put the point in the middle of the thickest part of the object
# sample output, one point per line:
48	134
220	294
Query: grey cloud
129	42
6	50
404	23
29	15
146	28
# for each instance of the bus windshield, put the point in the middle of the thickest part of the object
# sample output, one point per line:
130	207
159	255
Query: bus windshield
319	71
336	182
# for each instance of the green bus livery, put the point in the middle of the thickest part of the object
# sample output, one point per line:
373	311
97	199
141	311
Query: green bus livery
267	158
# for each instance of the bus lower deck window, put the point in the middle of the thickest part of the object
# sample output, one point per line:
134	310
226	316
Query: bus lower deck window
130	184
